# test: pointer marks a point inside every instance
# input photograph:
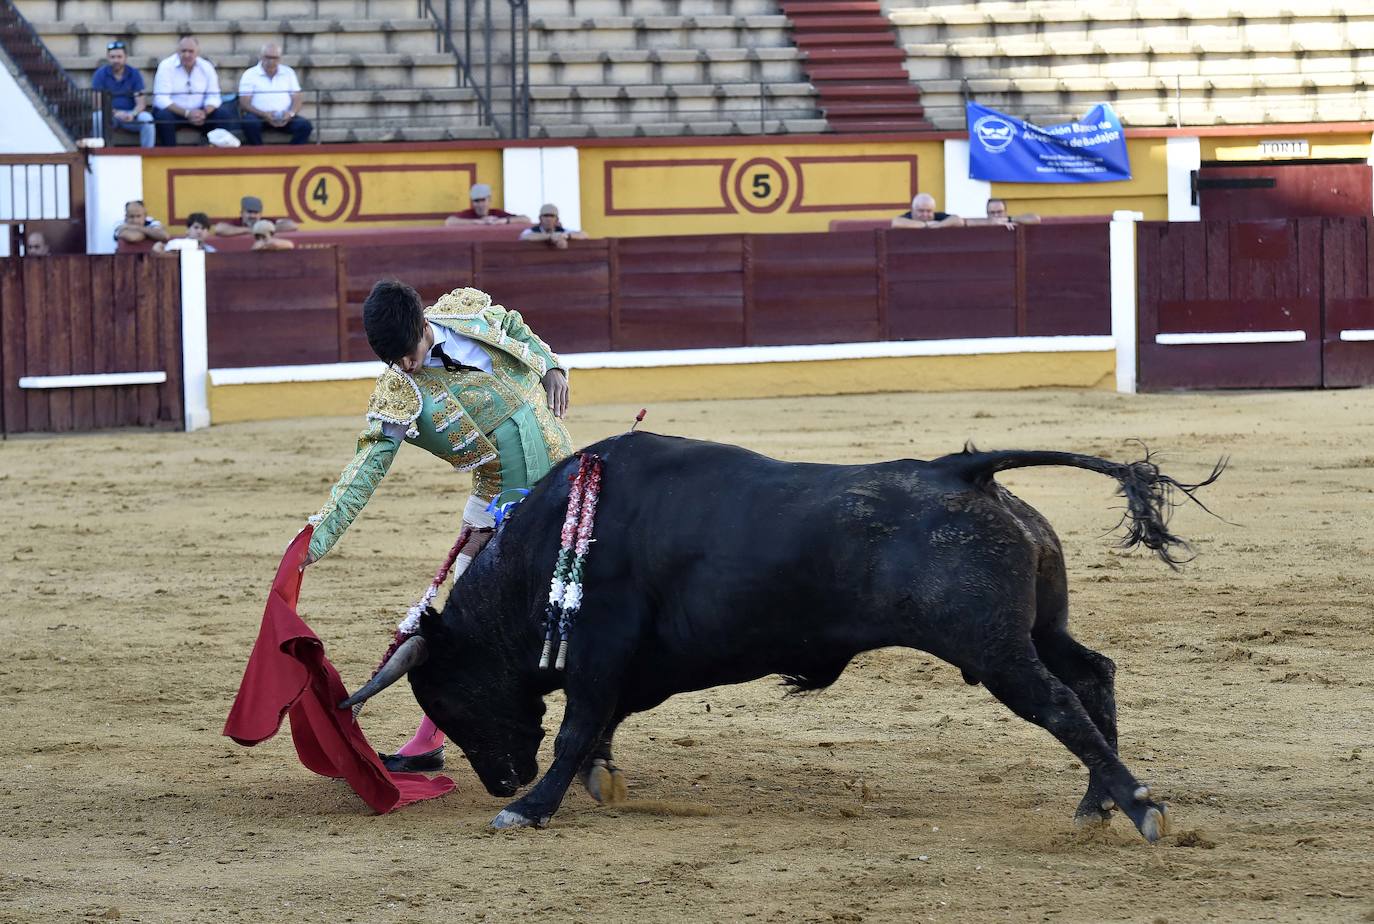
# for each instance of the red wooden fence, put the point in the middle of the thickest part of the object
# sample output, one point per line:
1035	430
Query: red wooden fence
73	315
1296	283
681	292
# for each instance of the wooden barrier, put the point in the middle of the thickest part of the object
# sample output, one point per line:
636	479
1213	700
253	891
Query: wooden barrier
677	292
1230	304
275	308
89	316
1347	303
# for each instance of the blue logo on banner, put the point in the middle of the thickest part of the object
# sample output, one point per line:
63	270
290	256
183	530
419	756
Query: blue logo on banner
1008	150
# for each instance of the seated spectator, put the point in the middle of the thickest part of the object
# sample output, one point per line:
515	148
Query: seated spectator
270	97
550	231
250	213
924	215
36	245
265	237
197	230
138	226
481	211
186	92
124	86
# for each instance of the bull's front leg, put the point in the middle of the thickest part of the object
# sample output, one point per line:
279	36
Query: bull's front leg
584	721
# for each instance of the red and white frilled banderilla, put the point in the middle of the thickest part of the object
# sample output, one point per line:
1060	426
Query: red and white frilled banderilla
411	624
565	589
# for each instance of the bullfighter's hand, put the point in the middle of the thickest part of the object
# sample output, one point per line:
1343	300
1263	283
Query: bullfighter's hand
556	385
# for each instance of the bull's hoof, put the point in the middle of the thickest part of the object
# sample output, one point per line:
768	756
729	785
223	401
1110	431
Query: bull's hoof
1095	809
605	783
1151	818
1092	818
509	819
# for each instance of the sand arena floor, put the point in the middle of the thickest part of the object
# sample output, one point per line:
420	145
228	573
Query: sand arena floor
134	571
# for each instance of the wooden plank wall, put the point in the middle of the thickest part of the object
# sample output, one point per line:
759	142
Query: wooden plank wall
1348	302
69	315
281	308
736	290
1221	277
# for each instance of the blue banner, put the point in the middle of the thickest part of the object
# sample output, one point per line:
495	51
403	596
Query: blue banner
1006	149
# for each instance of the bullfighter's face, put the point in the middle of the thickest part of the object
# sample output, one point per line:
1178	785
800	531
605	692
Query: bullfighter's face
412	361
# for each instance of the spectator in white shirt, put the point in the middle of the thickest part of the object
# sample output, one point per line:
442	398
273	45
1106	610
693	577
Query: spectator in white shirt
270	97
186	92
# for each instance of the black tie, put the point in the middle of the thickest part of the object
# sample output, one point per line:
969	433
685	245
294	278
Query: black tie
439	354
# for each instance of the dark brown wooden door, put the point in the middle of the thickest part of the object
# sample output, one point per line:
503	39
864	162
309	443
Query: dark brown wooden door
1267	191
1348	287
1230	304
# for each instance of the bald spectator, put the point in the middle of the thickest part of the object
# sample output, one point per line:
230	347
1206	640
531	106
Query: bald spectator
924	215
550	231
36	245
186	92
270	97
137	226
481	212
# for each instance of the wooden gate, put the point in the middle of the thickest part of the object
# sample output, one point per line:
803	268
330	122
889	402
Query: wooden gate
1230	304
1256	304
1348	300
89	342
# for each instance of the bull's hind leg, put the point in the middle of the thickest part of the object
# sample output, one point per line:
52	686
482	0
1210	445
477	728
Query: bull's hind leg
1029	689
1090	675
604	781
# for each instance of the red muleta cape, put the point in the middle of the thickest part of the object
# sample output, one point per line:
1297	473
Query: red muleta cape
288	674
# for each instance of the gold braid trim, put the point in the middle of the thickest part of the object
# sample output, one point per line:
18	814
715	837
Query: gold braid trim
463	303
397	400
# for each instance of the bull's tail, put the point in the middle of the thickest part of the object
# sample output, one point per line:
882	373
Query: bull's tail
1151	495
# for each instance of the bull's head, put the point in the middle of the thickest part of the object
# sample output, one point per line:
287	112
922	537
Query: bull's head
477	698
476	695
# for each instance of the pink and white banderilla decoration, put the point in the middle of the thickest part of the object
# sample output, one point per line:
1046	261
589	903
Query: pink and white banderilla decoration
565	589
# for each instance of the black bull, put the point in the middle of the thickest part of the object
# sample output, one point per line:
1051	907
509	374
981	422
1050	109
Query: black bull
714	565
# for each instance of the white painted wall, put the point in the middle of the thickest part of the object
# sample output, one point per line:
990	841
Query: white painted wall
964	196
110	182
195	344
22	129
533	176
1182	157
1124	317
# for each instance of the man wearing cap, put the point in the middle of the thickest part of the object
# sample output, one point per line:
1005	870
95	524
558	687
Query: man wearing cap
481	212
270	97
186	92
549	230
250	213
124	86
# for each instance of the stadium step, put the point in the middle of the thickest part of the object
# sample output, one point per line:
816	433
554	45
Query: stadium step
851	42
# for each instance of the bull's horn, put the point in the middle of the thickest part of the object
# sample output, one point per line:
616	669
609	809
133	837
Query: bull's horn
411	653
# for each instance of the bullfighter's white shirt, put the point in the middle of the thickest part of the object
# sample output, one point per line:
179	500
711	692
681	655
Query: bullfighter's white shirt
458	348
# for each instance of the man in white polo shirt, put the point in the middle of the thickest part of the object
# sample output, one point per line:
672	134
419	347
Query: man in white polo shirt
270	96
186	92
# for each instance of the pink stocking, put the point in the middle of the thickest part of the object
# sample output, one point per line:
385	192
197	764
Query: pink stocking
427	738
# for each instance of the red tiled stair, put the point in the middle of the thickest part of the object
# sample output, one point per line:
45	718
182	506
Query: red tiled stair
854	62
